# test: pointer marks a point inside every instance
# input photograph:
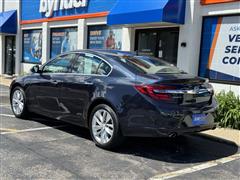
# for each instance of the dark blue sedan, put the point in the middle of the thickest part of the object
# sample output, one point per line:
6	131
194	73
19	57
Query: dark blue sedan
116	94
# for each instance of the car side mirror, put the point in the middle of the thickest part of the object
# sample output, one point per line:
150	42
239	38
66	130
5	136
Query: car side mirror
35	69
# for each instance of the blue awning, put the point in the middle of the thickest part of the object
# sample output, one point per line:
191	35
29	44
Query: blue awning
8	22
147	11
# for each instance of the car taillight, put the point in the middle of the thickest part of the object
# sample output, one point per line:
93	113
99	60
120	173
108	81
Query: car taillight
158	92
209	87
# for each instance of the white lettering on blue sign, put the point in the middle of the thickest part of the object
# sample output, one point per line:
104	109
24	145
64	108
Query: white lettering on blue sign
49	6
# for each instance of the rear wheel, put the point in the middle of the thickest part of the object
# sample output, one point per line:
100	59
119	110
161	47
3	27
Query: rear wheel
18	102
104	127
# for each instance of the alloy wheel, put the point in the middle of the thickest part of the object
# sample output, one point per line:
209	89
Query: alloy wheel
102	126
18	102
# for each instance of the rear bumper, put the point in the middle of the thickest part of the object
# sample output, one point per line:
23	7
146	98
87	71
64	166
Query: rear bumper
155	123
165	132
180	131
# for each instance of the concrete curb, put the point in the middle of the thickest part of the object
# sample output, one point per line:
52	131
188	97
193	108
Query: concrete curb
216	139
226	135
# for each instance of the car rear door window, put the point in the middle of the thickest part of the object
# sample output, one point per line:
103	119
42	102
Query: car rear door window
104	69
86	64
61	64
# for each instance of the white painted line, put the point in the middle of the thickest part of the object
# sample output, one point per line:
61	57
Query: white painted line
4	95
196	168
30	130
4	92
5	105
7	115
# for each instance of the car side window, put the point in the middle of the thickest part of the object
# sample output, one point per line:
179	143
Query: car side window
86	64
61	64
104	69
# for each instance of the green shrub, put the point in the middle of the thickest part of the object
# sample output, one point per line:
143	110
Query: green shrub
228	112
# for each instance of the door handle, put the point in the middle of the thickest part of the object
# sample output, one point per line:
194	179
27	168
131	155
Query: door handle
88	83
55	82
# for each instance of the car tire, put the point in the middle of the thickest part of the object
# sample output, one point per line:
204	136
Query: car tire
104	127
18	103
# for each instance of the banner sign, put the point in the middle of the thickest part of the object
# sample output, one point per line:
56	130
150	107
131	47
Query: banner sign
220	51
104	37
32	46
63	40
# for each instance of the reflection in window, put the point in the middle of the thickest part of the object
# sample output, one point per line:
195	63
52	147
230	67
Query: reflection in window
86	65
104	69
147	65
61	64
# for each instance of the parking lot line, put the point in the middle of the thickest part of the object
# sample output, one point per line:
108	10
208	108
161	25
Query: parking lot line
4	94
196	168
5	105
7	92
8	130
7	115
31	130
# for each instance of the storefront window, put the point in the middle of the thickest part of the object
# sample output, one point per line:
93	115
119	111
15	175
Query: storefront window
63	40
32	46
161	43
220	49
104	37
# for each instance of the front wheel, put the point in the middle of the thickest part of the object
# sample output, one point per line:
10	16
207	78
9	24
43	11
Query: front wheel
18	102
104	127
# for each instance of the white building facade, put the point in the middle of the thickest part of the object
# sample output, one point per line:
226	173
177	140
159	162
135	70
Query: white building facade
200	37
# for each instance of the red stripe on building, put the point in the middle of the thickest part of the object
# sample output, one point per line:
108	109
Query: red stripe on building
66	18
206	2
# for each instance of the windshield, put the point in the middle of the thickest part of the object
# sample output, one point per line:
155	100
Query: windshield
148	65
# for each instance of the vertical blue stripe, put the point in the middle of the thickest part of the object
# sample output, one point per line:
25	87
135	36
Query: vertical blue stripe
208	32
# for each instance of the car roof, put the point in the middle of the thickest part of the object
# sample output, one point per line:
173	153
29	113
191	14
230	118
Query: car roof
116	52
107	52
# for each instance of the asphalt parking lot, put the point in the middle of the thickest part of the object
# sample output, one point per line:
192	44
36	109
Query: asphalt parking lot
41	148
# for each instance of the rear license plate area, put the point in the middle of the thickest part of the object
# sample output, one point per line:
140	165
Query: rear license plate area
199	119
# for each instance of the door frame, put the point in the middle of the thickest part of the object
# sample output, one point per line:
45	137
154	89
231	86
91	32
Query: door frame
13	39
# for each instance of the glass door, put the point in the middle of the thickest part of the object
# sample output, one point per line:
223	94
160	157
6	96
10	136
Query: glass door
147	42
168	45
10	55
161	43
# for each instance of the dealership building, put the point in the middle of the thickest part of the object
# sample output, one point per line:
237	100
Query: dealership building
201	37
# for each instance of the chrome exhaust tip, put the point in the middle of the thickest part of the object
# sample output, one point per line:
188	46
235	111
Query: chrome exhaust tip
172	135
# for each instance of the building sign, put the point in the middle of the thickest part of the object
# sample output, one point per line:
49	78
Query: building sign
40	9
49	6
220	51
205	2
32	46
104	37
63	40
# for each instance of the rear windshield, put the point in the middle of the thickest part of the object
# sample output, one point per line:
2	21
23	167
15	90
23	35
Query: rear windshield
148	65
